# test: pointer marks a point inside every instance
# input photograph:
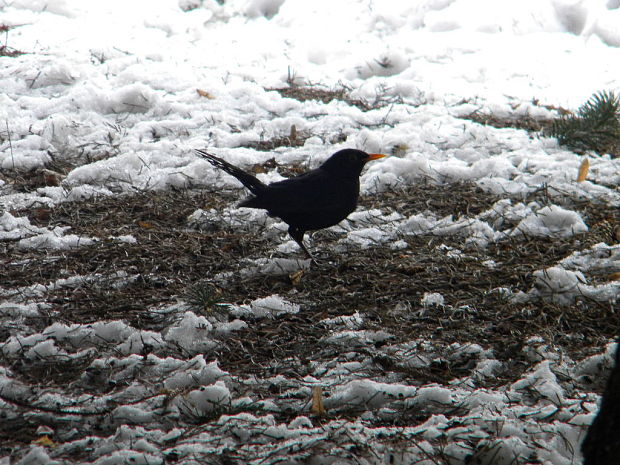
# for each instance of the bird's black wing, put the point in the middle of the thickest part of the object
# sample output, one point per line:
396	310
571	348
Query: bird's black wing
254	185
313	200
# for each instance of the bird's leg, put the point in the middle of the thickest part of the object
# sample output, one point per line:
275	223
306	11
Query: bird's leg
298	236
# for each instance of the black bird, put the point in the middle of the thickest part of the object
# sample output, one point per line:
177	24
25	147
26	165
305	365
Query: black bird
314	200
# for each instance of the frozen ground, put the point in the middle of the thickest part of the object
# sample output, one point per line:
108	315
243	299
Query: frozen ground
465	312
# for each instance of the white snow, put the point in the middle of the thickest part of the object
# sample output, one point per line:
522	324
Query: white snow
109	91
191	333
551	221
271	306
208	398
432	298
33	237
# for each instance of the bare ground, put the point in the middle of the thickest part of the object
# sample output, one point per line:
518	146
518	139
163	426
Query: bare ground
169	259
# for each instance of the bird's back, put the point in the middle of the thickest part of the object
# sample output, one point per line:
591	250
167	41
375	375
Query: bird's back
314	200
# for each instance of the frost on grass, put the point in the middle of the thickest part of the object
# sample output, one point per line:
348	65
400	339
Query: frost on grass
499	422
462	314
432	298
30	237
382	371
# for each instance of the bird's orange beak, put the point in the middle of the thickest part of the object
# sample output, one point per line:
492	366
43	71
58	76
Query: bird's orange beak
375	156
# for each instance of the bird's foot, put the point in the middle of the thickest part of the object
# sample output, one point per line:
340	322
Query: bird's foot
321	262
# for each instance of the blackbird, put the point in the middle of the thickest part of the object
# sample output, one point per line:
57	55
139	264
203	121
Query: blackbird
314	200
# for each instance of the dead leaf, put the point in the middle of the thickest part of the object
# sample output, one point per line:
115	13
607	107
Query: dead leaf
399	150
296	277
293	133
317	401
583	170
204	93
45	441
615	276
52	178
146	225
42	214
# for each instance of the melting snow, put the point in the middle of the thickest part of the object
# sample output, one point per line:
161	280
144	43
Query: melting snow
108	89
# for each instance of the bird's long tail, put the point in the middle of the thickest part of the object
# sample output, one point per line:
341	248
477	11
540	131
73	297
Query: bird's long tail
254	185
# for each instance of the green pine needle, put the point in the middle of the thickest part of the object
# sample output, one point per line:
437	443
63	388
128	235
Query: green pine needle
204	297
595	126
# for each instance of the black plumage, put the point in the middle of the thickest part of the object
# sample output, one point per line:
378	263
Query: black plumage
314	200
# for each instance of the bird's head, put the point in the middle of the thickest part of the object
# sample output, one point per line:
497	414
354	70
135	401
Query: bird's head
349	162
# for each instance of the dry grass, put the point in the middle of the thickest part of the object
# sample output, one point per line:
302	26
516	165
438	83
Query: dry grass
519	121
322	94
168	259
5	50
171	261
